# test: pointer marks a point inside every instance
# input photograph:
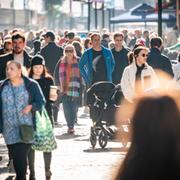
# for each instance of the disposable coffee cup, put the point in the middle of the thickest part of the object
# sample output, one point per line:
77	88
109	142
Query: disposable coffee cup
53	93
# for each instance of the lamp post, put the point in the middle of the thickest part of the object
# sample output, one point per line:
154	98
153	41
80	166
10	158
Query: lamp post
103	15
160	18
95	15
89	15
70	10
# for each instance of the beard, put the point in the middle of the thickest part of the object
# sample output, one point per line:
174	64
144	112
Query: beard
17	50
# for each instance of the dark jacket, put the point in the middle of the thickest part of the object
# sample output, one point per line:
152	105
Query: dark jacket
51	53
45	83
9	57
121	61
36	98
159	62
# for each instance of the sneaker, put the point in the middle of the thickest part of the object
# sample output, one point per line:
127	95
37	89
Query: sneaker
48	175
71	131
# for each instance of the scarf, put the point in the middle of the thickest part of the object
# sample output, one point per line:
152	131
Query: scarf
69	77
138	78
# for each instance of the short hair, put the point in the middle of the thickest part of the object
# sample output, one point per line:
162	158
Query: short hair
86	42
18	35
118	34
156	41
105	35
77	45
17	64
95	34
70	35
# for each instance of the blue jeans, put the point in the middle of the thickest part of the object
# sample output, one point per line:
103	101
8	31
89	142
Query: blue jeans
70	110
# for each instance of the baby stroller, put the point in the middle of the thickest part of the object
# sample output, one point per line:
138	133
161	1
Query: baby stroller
102	98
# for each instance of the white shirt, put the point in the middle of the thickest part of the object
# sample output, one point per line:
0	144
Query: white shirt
19	58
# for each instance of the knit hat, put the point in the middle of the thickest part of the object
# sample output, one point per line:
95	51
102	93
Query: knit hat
37	60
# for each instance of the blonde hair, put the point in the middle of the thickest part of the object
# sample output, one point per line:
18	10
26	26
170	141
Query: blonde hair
19	66
72	47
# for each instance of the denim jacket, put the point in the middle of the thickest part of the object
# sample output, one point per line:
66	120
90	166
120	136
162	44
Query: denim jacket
85	64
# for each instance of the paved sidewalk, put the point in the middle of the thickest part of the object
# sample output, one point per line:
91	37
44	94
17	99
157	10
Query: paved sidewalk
74	158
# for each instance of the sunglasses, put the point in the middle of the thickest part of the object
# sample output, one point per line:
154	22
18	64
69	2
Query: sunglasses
68	51
8	42
144	55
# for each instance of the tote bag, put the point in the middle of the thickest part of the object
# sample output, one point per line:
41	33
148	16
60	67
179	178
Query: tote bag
44	139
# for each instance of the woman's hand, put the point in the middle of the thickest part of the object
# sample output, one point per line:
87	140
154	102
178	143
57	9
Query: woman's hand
53	97
27	109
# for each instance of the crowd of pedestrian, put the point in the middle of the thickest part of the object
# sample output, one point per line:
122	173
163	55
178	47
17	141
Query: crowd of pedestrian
31	62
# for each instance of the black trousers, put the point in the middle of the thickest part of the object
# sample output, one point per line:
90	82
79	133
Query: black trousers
31	159
55	111
19	152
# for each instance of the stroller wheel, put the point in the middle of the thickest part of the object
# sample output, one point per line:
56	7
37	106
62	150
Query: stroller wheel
103	138
93	140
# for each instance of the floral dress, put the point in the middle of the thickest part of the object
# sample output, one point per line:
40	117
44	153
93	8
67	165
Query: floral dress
12	111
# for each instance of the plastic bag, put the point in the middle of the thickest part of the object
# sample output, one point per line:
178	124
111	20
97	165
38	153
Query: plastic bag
44	139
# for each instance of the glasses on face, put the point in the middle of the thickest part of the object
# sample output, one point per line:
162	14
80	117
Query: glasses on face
68	51
144	55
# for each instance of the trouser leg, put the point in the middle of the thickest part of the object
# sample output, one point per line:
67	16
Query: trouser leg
74	111
66	110
19	155
31	159
9	154
47	160
55	110
70	110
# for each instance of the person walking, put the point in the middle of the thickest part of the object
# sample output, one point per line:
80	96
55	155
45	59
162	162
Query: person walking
120	56
157	60
36	48
52	53
138	76
69	81
97	63
20	97
154	152
39	73
7	45
18	54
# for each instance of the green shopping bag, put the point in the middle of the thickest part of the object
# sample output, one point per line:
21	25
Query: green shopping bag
44	139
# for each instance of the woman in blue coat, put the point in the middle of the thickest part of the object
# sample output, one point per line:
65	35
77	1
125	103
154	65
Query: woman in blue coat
20	97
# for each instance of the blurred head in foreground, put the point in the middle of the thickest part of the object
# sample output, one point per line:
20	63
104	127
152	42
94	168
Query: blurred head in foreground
155	143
